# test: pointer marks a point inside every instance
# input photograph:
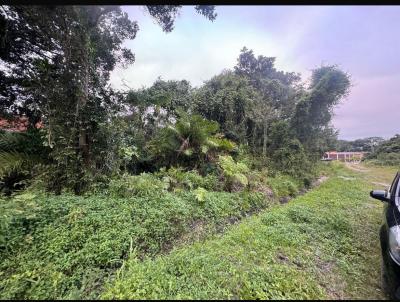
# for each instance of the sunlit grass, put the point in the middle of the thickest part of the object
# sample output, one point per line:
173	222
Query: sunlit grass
321	245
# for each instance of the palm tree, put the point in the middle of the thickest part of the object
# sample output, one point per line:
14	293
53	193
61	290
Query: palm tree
190	141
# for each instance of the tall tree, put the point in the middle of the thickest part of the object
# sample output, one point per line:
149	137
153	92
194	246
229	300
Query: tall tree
231	101
314	111
277	87
62	74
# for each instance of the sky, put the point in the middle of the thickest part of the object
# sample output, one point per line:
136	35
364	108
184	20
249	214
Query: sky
364	41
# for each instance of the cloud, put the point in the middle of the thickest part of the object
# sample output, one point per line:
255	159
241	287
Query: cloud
372	109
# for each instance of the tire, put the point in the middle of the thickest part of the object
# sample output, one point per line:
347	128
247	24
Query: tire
388	289
384	280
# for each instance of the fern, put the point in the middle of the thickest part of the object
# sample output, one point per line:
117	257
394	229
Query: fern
233	171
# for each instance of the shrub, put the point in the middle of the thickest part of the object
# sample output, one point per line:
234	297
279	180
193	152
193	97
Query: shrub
233	171
19	154
136	185
387	153
179	179
283	185
189	142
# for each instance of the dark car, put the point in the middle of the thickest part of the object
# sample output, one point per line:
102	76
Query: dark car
390	238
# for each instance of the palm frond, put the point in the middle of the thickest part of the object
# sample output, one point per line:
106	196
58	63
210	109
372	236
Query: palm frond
10	140
13	161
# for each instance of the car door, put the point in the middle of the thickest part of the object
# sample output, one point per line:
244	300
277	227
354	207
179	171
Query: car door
391	213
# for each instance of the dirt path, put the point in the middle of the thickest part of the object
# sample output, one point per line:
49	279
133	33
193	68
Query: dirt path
380	183
356	167
375	175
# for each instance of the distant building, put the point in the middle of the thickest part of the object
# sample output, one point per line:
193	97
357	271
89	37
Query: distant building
344	156
17	124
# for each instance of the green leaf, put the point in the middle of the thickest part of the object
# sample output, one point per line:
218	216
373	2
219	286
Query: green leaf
188	152
200	194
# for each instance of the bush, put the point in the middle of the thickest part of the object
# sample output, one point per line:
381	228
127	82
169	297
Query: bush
234	172
179	179
191	141
386	159
387	153
144	184
251	160
287	154
283	185
20	153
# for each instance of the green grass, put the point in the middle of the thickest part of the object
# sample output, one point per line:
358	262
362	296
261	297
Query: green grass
321	245
65	247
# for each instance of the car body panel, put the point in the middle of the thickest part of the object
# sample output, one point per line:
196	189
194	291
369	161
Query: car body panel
391	217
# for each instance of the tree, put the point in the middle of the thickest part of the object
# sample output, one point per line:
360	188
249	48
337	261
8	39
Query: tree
167	96
387	152
229	100
245	101
368	144
313	112
277	87
191	141
165	14
62	75
25	40
286	153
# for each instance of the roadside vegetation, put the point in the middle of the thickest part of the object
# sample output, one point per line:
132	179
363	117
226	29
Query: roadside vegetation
323	245
67	246
133	193
387	153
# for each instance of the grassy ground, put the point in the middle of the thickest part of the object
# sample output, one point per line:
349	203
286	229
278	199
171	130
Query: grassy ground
379	175
323	244
67	246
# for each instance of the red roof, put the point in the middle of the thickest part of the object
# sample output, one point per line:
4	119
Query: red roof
18	124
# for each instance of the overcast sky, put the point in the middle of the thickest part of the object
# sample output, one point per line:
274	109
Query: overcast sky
364	41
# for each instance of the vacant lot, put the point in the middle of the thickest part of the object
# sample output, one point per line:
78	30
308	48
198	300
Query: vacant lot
323	244
159	244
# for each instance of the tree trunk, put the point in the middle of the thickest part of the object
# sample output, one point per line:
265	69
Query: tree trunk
254	136
82	101
264	148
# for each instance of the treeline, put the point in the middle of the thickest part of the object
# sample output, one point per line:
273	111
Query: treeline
252	113
368	144
386	153
379	151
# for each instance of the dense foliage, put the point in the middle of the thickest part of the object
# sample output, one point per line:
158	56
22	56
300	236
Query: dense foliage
313	248
61	77
116	174
387	153
100	132
67	247
20	155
